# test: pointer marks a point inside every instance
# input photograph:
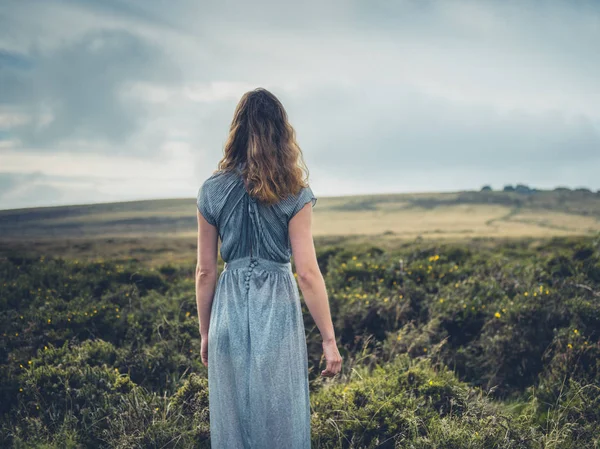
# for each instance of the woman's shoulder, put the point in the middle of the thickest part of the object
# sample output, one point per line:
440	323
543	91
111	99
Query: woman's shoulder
292	204
216	177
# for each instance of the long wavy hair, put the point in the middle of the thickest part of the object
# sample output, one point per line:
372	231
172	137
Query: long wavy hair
263	143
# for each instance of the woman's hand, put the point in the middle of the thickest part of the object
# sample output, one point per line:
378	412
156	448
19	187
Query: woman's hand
204	349
333	357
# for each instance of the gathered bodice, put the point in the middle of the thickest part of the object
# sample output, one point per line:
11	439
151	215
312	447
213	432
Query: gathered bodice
246	226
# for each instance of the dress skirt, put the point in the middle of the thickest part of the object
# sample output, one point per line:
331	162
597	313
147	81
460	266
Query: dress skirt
257	359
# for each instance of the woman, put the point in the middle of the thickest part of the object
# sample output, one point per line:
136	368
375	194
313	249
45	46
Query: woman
251	324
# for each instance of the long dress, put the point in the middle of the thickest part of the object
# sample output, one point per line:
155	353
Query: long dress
257	353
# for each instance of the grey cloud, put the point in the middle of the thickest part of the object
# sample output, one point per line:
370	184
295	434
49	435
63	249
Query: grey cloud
80	86
382	125
370	127
36	189
17	189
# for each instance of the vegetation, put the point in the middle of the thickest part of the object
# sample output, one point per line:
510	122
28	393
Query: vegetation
513	212
486	344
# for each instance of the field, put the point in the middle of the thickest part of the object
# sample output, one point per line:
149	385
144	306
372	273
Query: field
466	320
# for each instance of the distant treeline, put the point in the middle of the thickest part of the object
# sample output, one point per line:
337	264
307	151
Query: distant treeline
523	188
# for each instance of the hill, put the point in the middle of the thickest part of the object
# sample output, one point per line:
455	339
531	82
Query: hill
456	215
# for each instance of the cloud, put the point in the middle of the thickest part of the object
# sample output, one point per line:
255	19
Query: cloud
79	91
383	94
25	190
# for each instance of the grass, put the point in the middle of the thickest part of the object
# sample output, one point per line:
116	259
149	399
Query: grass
451	339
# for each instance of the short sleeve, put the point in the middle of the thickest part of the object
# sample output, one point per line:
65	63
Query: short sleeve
204	205
305	195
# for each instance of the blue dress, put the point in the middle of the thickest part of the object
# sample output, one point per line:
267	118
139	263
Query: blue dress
257	354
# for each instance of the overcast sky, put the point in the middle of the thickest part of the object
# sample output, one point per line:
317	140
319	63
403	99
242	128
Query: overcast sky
122	100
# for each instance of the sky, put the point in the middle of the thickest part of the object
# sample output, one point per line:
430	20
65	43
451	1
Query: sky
112	100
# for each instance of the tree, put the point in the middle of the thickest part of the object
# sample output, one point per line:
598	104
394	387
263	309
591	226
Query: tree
522	188
486	188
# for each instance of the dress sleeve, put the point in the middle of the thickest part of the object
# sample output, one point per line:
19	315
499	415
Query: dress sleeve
305	195
204	205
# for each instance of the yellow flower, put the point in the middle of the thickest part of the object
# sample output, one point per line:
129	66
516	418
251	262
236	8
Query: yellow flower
526	293
441	299
353	257
541	288
424	349
187	313
20	389
29	362
367	302
48	320
399	338
497	315
570	346
385	299
575	331
431	382
456	285
547	292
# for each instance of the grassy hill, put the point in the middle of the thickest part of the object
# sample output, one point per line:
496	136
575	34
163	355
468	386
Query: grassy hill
456	215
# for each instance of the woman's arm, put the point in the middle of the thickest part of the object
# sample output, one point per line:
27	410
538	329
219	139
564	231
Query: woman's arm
312	284
206	271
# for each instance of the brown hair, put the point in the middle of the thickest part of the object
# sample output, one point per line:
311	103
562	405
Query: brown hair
261	138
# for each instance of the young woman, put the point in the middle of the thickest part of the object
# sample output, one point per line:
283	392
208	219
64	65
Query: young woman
253	338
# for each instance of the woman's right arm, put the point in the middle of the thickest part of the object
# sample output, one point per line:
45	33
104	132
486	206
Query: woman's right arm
312	285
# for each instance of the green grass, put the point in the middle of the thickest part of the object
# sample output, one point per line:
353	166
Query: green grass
484	343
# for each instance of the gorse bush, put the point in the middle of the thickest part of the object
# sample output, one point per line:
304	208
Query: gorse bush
409	403
478	345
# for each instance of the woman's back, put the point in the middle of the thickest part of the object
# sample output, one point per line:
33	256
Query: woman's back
246	226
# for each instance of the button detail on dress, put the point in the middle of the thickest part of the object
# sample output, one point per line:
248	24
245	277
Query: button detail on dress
249	273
